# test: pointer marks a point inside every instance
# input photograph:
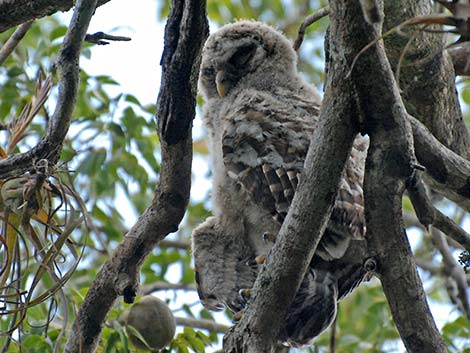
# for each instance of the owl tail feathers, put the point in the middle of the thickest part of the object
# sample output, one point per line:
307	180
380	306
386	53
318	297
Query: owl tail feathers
333	245
312	311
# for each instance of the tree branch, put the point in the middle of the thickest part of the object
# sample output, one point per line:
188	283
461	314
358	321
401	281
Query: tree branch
185	33
202	323
446	172
389	164
430	215
14	13
454	272
14	40
461	60
309	20
154	287
68	69
427	77
176	244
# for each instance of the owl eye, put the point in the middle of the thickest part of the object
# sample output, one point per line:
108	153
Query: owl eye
207	71
243	55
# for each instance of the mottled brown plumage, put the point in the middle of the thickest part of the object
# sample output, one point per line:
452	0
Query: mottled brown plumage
260	116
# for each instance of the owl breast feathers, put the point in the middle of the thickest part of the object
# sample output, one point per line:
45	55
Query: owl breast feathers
260	116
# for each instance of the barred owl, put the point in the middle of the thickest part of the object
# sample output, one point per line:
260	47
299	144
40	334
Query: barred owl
260	115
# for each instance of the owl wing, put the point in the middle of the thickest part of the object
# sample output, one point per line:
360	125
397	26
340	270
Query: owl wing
265	142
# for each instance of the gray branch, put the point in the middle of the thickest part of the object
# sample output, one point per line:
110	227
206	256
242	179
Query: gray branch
389	165
14	40
454	273
185	33
461	60
429	215
201	323
427	79
16	12
446	172
68	69
157	286
176	244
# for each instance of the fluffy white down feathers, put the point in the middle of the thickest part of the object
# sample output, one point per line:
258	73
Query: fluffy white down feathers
260	115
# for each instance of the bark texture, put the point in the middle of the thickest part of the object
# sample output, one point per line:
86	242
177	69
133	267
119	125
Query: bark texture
446	171
427	77
16	12
389	166
185	33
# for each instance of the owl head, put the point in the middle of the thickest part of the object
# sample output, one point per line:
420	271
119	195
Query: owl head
244	54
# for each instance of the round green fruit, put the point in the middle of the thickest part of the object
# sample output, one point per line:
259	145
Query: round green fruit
153	320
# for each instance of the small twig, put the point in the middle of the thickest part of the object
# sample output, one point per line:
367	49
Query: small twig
420	200
150	288
452	269
176	244
333	334
429	215
14	40
202	323
307	22
461	60
451	229
101	38
428	266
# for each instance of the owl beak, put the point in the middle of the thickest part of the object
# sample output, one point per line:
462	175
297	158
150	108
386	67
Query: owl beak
222	83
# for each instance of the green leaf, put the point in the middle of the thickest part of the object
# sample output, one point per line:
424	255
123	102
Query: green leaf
15	71
58	32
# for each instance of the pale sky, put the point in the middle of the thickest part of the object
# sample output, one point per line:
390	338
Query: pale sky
135	64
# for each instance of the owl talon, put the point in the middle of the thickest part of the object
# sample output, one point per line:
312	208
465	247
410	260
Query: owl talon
258	260
238	315
269	237
245	294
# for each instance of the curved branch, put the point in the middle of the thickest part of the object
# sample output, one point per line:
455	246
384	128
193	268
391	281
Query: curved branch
446	172
14	13
461	60
454	272
68	69
185	33
308	21
429	215
14	40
